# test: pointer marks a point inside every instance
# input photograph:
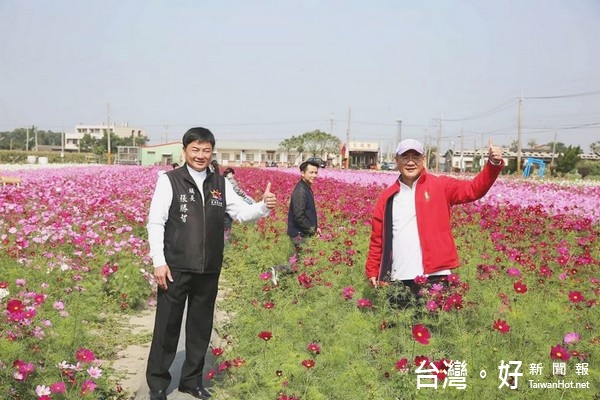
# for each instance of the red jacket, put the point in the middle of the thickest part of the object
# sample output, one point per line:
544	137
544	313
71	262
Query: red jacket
433	198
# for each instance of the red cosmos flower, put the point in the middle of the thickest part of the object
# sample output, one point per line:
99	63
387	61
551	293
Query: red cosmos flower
238	362
402	364
3	285
211	374
39	299
520	287
308	363
15	306
217	351
85	355
559	353
421	334
265	335
421	280
501	326
576	297
421	360
314	348
269	305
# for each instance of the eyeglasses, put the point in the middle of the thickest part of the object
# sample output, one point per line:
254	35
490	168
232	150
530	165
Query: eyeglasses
414	158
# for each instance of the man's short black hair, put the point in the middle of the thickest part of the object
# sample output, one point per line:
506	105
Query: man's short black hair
198	134
305	164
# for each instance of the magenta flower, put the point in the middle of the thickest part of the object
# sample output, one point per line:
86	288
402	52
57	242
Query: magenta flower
348	292
431	305
514	272
364	303
58	387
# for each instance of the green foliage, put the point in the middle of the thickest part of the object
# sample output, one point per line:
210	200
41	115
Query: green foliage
358	357
316	143
20	157
567	161
587	168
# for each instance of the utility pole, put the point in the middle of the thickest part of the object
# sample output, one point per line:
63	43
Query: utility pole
553	151
331	124
462	150
428	147
348	138
519	135
62	145
439	144
27	140
35	131
399	133
108	129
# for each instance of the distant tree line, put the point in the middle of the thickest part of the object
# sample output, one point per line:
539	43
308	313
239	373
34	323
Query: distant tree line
16	140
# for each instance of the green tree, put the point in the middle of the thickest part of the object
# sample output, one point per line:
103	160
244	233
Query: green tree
88	144
595	148
316	143
319	143
567	161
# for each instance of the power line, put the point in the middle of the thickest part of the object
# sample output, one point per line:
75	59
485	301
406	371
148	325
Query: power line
563	96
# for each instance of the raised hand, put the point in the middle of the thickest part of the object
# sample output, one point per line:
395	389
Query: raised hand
269	198
494	152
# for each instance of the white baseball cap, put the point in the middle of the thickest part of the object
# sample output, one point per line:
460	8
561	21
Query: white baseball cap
409	144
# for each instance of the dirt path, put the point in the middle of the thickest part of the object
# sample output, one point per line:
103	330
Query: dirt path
132	361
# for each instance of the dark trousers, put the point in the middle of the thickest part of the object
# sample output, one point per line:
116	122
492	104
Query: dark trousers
405	294
200	291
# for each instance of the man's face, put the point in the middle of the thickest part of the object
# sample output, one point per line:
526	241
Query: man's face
198	155
310	175
410	164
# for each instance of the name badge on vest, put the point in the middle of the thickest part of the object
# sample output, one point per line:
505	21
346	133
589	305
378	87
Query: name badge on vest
216	198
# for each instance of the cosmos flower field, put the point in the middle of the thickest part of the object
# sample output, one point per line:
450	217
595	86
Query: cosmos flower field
520	312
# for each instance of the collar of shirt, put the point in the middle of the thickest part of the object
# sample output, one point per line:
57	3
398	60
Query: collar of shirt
198	177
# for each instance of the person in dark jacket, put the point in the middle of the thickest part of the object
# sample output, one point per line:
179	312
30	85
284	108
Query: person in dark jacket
302	214
185	233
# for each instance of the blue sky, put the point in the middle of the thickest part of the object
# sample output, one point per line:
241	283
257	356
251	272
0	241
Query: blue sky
267	70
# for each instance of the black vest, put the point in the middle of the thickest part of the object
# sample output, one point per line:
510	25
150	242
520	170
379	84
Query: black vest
194	231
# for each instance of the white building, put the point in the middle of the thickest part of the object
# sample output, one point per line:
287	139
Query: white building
97	132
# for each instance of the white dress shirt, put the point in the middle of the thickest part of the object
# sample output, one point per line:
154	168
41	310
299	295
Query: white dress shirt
407	258
236	207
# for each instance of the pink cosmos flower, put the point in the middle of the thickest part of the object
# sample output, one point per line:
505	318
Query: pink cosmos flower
94	372
571	337
42	390
265	276
58	387
431	305
513	272
88	386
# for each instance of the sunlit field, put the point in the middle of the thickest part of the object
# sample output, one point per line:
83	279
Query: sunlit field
521	312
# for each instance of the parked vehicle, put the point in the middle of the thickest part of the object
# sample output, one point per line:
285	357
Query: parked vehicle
389	166
322	164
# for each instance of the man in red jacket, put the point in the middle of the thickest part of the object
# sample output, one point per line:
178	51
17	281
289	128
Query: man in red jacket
411	234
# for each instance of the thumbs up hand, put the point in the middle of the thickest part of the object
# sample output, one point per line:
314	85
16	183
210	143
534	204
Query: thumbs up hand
269	198
494	153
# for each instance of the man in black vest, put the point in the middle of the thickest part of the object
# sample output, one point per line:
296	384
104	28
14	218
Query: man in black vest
185	233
